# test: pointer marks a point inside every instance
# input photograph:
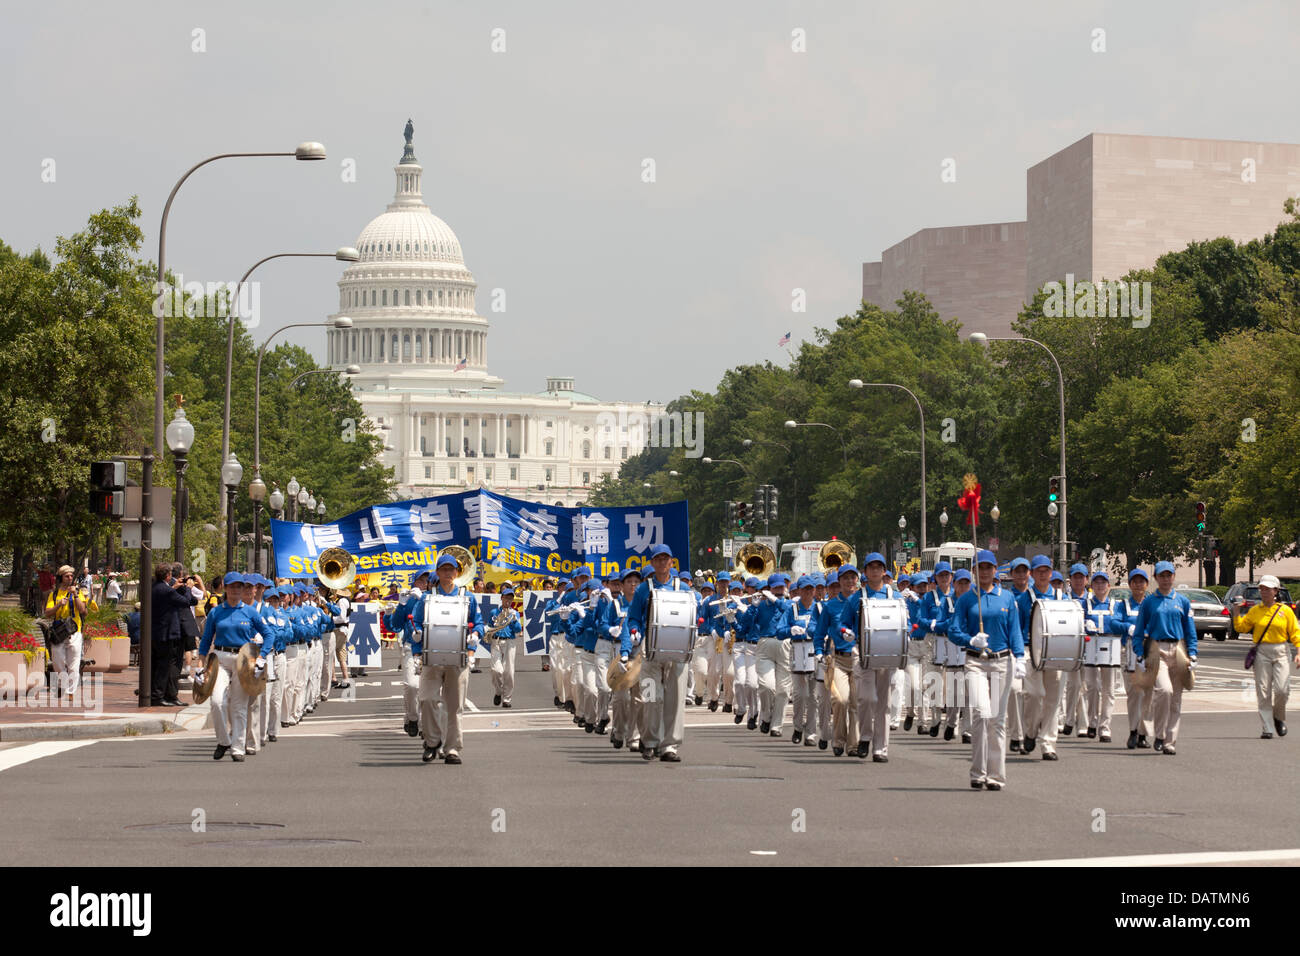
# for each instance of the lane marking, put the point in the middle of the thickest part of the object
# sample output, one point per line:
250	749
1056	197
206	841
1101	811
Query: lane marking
763	852
1158	859
45	748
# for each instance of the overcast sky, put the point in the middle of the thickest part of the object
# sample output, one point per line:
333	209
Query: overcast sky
775	169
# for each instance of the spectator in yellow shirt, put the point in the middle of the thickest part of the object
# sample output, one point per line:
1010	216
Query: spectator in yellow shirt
66	600
1277	646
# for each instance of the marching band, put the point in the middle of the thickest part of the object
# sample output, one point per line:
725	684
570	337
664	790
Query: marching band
1008	665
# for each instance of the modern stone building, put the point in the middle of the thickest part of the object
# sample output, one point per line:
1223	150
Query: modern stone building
424	380
1097	209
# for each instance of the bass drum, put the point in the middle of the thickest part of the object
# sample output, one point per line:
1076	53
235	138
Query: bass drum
1056	635
883	634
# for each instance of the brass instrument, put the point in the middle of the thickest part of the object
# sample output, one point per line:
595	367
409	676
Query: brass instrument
336	569
835	554
501	621
757	559
468	566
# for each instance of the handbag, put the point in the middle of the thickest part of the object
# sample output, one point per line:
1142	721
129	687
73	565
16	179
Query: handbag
61	629
1250	654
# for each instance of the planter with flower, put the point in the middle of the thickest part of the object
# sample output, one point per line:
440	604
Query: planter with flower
106	642
20	654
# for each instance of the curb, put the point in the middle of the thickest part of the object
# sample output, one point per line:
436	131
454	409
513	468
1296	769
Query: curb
190	718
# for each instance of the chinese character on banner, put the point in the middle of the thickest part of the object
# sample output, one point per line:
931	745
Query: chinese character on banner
318	537
431	523
363	644
484	515
373	533
538	528
595	534
644	531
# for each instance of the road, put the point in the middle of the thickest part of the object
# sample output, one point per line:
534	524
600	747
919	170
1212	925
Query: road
347	787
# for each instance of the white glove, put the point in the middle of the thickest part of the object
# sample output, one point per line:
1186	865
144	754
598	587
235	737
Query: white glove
257	639
768	594
979	641
1018	669
593	599
797	631
616	630
199	676
623	659
605	591
1090	626
1132	629
258	668
819	658
1192	663
636	636
1142	664
933	624
582	611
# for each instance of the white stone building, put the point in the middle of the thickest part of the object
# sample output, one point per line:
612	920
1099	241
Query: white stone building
422	349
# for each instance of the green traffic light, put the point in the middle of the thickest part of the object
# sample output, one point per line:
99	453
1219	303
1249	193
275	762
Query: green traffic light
1052	496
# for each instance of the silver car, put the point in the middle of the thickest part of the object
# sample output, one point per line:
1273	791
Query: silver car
1212	617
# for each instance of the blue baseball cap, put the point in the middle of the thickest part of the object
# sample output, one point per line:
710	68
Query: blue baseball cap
776	579
1040	561
1079	568
985	556
753	582
1138	573
271	593
873	556
722	576
1019	563
636	571
685	574
942	566
581	572
659	549
832	576
736	586
1057	576
707	585
818	579
962	575
1100	574
232	577
847	569
506	589
444	559
562	582
1162	566
803	581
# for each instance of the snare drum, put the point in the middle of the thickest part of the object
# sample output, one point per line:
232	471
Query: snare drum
803	658
882	633
671	625
445	630
1056	635
1102	650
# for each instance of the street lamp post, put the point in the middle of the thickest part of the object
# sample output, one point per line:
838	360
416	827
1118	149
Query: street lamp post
342	254
728	461
982	340
858	383
843	445
232	472
257	491
180	439
293	488
276	501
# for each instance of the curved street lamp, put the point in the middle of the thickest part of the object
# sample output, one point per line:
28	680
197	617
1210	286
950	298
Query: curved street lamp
858	383
843	445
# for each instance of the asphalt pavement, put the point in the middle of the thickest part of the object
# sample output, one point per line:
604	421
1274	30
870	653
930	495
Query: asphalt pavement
347	787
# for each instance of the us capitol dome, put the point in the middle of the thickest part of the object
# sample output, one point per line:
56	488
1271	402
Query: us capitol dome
422	349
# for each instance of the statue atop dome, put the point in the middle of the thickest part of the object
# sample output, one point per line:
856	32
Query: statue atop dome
408	154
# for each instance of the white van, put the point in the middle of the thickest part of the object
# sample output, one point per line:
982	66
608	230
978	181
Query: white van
959	554
799	557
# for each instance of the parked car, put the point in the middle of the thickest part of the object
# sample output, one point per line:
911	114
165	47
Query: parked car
1211	616
1249	594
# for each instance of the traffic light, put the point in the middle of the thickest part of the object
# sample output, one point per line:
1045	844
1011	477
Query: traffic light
771	502
760	505
107	488
1054	489
731	514
742	514
1200	517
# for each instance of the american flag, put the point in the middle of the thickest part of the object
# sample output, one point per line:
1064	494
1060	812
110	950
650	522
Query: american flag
785	340
460	366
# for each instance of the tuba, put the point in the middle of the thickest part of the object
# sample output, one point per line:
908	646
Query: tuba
757	559
834	554
466	561
336	569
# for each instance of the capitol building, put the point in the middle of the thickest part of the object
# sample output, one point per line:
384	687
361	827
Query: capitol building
424	382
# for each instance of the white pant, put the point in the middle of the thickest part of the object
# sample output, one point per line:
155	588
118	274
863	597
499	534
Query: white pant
665	707
1043	693
772	671
313	673
275	693
410	684
559	668
1137	701
294	690
1073	704
231	706
745	683
806	690
327	662
873	707
988	683
1099	695
700	666
919	654
629	709
1272	669
721	672
444	685
958	716
503	667
66	658
588	693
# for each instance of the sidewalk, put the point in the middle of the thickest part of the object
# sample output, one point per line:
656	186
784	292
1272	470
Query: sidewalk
105	706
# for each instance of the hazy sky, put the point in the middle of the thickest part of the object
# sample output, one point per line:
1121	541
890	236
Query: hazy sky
775	169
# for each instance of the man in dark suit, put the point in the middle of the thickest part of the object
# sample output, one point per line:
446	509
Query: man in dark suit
169	596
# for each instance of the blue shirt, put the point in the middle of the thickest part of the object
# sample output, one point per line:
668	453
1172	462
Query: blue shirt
1165	617
828	625
1001	620
230	628
795	614
767	617
640	600
474	621
1025	601
935	606
614	614
852	608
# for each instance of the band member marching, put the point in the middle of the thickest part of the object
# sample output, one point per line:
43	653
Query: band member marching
1165	618
986	623
665	709
227	628
1103	657
1137	699
445	683
1073	706
721	670
1042	687
874	684
626	702
841	654
772	660
1016	702
555	643
702	656
503	634
797	628
745	684
931	629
